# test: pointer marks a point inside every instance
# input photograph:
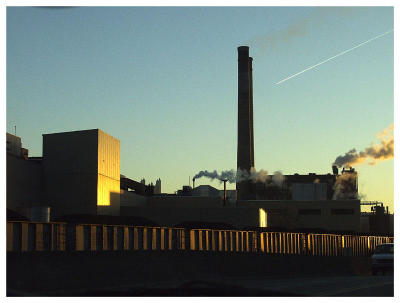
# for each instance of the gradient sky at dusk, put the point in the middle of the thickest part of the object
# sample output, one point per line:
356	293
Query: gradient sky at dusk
164	82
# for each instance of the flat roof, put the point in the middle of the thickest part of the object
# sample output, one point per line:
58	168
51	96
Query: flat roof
80	131
73	131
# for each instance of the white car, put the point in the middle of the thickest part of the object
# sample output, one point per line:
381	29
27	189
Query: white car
382	259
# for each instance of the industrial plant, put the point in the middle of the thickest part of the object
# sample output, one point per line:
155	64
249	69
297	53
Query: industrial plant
79	175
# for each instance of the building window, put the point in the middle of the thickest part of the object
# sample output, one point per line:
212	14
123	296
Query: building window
342	211
263	218
310	211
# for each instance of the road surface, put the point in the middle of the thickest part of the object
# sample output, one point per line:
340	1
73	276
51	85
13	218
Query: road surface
321	286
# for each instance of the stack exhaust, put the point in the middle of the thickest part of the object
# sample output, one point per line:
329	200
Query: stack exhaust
245	151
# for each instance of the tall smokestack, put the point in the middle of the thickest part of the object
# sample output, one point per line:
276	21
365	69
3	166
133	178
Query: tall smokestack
245	151
251	112
224	191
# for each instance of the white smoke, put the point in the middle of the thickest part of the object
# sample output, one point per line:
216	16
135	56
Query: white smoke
373	154
278	178
229	175
300	27
253	175
345	187
240	175
259	176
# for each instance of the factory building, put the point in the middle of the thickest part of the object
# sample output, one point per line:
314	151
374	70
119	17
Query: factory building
137	187
14	146
157	187
377	222
309	187
82	172
333	215
24	186
176	210
79	173
296	187
292	187
205	191
171	210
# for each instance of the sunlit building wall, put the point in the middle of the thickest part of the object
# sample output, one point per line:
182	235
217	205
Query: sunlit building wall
81	171
108	182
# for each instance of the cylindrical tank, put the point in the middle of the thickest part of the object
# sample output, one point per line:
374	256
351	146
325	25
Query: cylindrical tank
40	214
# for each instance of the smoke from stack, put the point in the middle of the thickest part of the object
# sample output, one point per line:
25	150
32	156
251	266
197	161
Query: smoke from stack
253	175
298	28
373	154
278	178
240	175
227	175
345	187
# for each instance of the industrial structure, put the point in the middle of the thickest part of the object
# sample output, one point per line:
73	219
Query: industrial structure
378	220
245	149
79	174
82	172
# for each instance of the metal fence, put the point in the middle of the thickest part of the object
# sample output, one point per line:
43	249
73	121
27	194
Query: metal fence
30	236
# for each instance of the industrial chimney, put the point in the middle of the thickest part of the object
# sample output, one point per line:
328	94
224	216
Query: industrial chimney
245	151
251	112
224	198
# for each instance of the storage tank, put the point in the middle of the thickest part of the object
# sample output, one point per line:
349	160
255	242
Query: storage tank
40	214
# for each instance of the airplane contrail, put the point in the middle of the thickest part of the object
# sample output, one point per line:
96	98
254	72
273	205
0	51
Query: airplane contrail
342	53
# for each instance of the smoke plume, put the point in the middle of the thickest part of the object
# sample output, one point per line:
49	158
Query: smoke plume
298	28
242	175
373	154
253	175
229	175
278	178
345	187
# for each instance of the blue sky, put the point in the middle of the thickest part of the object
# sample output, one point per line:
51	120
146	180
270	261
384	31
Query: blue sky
164	82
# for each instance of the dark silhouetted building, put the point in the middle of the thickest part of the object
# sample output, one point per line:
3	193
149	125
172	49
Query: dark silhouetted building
25	182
